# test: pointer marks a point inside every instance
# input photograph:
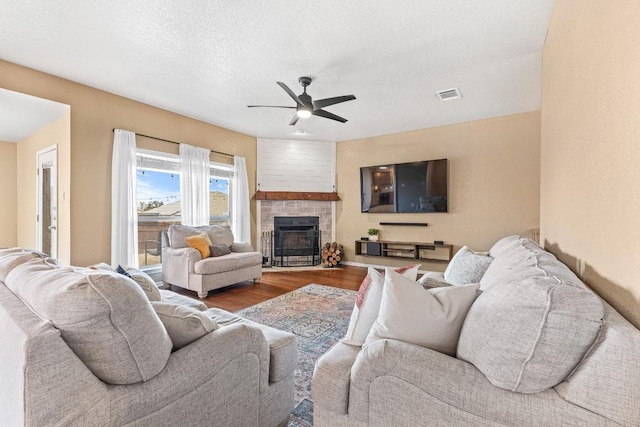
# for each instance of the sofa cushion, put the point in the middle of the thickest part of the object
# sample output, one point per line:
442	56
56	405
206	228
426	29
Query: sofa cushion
367	306
503	245
11	260
201	242
527	336
183	324
283	351
467	266
230	262
428	318
218	234
104	317
524	260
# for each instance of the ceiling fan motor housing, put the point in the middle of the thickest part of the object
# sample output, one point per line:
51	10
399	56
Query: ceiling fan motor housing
304	81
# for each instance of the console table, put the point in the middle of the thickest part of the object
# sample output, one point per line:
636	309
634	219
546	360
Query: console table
408	250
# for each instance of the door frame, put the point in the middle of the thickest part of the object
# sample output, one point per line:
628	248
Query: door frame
54	243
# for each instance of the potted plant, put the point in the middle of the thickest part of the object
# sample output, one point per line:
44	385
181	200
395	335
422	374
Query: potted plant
373	234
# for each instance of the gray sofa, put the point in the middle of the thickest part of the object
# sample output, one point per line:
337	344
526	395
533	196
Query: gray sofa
537	348
184	266
82	347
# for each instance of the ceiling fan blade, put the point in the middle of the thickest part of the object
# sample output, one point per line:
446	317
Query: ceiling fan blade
291	94
328	115
269	106
294	120
321	103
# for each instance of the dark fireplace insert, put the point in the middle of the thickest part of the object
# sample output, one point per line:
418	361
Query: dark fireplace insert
295	241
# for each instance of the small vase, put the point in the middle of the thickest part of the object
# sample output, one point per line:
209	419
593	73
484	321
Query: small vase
373	238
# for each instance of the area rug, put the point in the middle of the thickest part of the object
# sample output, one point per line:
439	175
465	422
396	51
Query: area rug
319	316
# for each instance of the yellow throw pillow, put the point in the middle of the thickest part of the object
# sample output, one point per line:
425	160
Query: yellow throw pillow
201	242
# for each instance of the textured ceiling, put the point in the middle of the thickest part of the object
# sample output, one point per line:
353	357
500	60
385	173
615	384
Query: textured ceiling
21	115
209	59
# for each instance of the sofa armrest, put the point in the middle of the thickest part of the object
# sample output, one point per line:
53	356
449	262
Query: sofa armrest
190	368
436	374
241	247
177	264
432	384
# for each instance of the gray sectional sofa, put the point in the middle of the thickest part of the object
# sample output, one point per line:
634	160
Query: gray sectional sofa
88	348
537	348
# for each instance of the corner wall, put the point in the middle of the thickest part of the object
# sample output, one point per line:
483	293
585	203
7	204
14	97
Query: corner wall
590	149
94	114
494	181
8	190
55	133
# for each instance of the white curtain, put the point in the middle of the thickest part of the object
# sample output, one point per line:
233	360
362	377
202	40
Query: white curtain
241	215
194	185
124	214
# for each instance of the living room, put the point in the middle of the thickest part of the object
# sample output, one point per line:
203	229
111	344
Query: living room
565	167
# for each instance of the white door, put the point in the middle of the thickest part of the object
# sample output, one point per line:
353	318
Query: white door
47	201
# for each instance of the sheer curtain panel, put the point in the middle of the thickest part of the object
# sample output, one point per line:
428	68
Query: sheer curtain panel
124	214
194	185
241	215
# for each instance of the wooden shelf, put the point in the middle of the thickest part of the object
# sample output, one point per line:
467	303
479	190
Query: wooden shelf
406	250
295	195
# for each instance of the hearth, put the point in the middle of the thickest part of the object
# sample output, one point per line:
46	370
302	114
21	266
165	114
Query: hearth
295	241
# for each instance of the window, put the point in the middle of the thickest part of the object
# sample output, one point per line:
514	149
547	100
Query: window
158	199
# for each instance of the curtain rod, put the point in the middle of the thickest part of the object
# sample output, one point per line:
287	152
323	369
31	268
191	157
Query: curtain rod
174	142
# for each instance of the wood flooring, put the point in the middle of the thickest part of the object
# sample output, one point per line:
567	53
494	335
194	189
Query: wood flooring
276	283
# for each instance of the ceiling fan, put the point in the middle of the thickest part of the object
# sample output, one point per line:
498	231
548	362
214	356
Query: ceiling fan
306	106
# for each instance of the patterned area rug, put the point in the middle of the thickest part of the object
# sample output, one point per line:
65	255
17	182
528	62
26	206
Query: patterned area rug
319	316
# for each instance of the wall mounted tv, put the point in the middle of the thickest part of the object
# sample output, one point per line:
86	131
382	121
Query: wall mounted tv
404	187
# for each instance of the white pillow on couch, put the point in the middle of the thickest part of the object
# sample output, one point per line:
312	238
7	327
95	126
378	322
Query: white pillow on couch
429	318
367	303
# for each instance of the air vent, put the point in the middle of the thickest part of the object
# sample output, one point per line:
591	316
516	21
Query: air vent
449	94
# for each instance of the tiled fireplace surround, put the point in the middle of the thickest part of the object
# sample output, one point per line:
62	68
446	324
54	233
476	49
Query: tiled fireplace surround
268	209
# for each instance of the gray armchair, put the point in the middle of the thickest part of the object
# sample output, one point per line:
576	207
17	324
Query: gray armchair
183	266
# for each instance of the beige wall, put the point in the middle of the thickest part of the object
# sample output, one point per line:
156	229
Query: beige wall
590	150
8	193
93	116
494	175
56	133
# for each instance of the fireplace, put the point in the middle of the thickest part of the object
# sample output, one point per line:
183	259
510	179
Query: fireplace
295	241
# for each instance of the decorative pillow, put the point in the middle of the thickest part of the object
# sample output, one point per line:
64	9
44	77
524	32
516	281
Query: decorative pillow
528	336
143	280
219	250
201	242
103	317
428	318
241	247
177	299
183	324
432	279
467	267
367	304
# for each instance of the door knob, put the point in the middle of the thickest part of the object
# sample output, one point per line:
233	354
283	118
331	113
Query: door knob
52	227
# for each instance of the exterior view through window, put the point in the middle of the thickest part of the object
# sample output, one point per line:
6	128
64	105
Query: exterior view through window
158	199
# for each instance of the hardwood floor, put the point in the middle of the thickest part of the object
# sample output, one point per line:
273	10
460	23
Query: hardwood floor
273	284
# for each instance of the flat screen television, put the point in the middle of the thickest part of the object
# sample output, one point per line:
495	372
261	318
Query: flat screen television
404	187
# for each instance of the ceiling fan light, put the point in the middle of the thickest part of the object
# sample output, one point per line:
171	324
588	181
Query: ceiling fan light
303	113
